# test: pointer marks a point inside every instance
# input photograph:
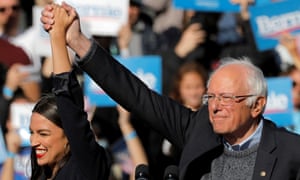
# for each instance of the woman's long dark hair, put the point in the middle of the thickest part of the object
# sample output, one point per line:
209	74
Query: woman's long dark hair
46	107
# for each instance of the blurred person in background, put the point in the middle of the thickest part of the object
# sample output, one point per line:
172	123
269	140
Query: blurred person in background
13	143
15	165
30	41
194	42
10	55
134	145
136	38
288	50
12	25
12	80
238	41
189	85
294	73
164	14
9	18
295	76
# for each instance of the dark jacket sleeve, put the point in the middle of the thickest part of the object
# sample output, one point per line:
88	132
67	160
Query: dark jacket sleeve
91	157
163	114
170	64
4	110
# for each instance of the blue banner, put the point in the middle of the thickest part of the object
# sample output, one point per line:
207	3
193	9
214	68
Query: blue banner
215	5
22	166
268	22
279	104
147	68
205	5
266	2
2	148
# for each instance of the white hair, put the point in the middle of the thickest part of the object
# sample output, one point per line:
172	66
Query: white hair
255	78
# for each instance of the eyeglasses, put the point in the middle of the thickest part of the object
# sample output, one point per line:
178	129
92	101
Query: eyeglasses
225	99
13	8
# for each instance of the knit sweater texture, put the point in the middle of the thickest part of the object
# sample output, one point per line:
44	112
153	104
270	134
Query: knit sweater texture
233	165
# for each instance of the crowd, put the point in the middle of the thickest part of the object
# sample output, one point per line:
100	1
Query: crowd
208	119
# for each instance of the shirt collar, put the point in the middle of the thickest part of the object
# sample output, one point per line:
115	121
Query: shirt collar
247	143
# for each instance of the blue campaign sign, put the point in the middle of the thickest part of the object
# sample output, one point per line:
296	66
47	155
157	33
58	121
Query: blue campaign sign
205	5
266	2
279	104
215	5
2	148
21	162
147	68
22	168
269	21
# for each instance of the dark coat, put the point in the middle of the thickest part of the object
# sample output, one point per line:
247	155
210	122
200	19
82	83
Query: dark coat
88	159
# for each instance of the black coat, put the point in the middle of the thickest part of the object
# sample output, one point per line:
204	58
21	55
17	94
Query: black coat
88	159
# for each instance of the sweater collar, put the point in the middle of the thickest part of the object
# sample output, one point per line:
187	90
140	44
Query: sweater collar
252	140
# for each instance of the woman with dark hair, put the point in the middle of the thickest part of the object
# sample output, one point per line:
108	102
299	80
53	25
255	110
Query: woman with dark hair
63	144
46	109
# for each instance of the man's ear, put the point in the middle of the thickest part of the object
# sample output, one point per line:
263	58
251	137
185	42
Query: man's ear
258	107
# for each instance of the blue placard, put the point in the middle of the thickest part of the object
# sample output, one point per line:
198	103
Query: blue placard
268	22
215	5
266	2
3	154
279	107
147	68
296	122
22	166
205	5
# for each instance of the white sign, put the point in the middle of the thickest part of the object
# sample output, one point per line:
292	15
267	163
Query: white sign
2	148
103	18
42	45
20	117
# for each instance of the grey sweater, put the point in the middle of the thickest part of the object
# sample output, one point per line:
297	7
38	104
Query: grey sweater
233	165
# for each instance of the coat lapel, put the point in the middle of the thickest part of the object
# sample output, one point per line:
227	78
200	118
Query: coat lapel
202	147
265	160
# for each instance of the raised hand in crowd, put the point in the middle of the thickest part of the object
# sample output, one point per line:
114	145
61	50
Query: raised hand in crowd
190	39
124	37
133	142
244	4
15	77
